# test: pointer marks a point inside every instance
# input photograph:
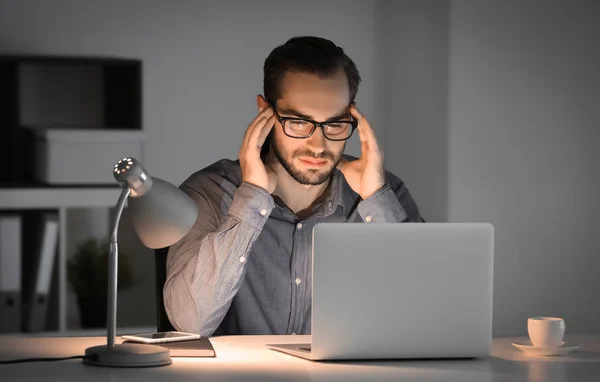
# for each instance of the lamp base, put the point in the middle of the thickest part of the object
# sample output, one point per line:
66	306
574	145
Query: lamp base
127	355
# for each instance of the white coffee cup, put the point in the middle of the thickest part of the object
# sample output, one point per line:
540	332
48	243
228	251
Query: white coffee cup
546	332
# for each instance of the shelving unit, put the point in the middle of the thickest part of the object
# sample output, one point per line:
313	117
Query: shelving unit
62	92
60	199
58	92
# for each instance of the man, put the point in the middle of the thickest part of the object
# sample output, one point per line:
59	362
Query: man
245	267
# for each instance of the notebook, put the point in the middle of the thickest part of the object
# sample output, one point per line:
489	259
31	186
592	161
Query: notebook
189	348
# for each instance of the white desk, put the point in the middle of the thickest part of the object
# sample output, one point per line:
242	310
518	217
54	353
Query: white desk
245	358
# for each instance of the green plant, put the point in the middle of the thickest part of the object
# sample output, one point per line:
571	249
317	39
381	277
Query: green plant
87	269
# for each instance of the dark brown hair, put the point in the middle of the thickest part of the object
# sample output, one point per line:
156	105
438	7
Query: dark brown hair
314	55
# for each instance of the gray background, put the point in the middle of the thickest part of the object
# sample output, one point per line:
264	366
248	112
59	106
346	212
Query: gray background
487	109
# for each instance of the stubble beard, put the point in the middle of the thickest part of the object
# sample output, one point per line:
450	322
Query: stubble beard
310	177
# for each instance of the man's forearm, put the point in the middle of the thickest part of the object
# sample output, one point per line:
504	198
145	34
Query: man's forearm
206	271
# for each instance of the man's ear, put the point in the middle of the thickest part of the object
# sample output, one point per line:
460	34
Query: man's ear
261	102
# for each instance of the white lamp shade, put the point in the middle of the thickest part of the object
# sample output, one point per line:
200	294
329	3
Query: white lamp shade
162	215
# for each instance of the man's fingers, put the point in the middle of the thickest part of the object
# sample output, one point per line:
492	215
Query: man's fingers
364	144
249	131
260	119
251	136
266	113
254	137
359	118
361	133
365	131
356	113
264	132
370	134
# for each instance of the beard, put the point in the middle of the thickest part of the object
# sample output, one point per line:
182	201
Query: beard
312	177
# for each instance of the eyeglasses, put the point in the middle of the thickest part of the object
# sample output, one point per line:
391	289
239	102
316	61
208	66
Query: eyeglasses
301	128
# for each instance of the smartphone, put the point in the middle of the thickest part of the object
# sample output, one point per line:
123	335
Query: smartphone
156	338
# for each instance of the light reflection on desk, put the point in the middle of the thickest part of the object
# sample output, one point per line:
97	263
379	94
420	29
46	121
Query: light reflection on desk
247	358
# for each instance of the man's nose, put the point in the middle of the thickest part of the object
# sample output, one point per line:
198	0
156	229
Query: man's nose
317	141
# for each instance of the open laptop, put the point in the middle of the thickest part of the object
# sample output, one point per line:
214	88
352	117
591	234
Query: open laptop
400	291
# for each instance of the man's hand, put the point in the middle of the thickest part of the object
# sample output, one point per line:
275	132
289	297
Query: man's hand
366	174
254	171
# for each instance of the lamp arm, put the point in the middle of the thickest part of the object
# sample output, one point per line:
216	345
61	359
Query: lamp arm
113	262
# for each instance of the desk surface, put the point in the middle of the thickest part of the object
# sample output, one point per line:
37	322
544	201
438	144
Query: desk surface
245	358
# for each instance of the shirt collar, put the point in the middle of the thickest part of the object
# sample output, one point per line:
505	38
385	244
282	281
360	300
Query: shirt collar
334	196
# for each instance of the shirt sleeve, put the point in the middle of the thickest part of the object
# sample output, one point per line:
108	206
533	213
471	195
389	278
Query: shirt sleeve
392	203
206	268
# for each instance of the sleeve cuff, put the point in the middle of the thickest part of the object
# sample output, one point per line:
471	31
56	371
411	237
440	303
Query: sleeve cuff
251	204
382	207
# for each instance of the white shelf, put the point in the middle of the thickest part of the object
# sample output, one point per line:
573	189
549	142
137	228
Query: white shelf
60	198
57	197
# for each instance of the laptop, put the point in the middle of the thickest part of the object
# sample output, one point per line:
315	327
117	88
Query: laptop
400	291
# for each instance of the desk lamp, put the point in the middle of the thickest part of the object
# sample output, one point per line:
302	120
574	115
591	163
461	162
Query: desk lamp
161	214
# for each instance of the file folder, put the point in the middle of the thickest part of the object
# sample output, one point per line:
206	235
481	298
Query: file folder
10	273
43	265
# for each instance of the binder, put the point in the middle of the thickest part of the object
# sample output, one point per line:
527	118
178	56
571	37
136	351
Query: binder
43	265
10	273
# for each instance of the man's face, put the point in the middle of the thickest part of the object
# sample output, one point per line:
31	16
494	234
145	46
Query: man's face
310	161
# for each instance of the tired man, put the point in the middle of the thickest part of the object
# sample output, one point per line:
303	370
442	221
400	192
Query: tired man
245	267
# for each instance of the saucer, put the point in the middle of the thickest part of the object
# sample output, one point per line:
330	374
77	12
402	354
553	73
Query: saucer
527	347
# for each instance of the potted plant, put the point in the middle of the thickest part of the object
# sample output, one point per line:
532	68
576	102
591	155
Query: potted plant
87	273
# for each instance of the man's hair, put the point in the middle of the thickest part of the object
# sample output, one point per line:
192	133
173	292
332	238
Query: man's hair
307	54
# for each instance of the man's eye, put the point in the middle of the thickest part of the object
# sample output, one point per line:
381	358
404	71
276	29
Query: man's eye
298	123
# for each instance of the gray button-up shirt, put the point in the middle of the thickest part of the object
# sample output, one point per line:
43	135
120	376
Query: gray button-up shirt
245	266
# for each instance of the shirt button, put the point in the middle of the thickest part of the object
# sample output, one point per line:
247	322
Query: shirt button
297	281
368	219
242	259
299	226
263	212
